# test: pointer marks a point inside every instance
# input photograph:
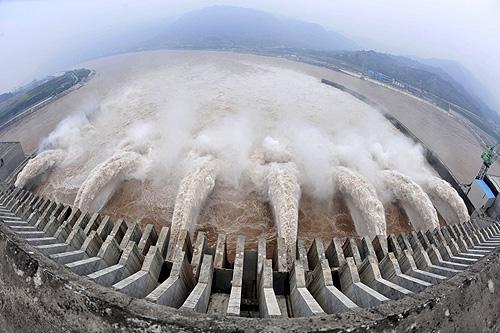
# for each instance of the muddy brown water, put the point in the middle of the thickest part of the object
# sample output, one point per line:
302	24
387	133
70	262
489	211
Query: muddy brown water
248	215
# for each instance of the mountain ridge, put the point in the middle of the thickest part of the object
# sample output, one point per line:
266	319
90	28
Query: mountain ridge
228	25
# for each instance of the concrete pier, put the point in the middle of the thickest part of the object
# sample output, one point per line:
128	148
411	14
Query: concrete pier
302	302
335	254
315	255
220	252
199	297
302	253
181	243
429	261
133	234
199	248
353	288
346	275
234	304
176	288
141	283
390	270
268	303
149	237
130	262
280	255
326	294
370	275
350	249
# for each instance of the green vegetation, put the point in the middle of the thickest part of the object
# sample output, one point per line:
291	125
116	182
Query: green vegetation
13	104
6	96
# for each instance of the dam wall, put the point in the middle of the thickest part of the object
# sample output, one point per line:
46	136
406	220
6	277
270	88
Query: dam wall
40	105
64	269
67	269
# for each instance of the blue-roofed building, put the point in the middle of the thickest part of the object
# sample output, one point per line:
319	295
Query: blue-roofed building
481	195
487	191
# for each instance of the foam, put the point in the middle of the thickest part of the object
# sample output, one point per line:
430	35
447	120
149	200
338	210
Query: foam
361	198
415	202
39	165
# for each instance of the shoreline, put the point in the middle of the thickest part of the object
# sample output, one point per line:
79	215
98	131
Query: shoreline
40	105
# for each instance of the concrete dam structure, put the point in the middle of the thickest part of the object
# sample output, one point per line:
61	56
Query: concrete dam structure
56	247
242	207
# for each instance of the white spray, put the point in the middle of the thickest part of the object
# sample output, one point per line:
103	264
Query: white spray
39	165
416	203
105	178
185	96
446	200
284	195
276	177
194	189
361	198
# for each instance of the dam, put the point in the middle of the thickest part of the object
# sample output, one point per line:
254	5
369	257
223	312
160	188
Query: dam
244	207
323	279
272	280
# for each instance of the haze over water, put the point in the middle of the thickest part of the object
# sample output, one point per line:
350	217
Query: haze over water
166	105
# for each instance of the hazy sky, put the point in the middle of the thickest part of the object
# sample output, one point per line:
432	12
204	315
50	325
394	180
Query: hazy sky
37	36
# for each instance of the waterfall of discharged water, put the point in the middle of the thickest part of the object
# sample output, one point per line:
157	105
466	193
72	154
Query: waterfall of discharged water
284	195
105	179
194	189
361	198
415	202
38	165
446	200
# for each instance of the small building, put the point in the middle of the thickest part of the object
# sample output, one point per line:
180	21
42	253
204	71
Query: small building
480	195
484	196
398	84
11	156
380	77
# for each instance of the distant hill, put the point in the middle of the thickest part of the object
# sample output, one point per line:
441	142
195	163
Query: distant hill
37	92
5	96
235	27
429	78
226	26
462	75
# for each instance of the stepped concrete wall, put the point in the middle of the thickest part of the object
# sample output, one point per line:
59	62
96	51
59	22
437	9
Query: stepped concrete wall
37	295
62	269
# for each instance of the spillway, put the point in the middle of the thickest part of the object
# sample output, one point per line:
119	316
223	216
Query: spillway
245	271
105	178
194	189
446	200
39	165
201	280
284	195
415	202
361	198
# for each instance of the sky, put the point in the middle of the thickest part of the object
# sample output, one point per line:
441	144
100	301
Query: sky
38	37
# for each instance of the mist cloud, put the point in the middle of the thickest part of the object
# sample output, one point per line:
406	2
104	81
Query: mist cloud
40	37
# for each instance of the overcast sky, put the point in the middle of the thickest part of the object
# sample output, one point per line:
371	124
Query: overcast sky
38	36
